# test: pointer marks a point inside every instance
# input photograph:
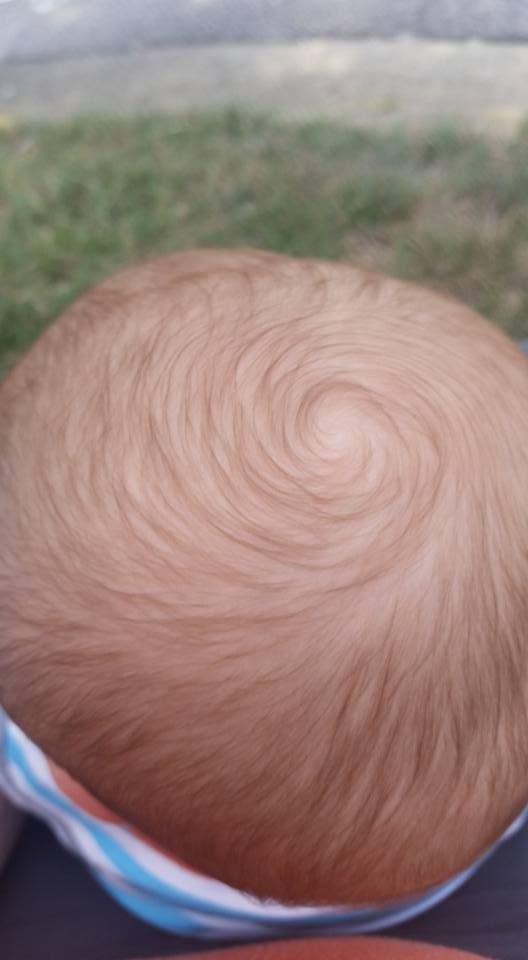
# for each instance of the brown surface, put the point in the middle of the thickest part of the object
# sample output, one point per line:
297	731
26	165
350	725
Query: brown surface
355	949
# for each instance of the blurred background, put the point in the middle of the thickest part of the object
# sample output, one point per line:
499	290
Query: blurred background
392	133
389	133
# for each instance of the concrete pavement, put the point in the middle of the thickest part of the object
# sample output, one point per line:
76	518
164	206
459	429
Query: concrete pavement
479	86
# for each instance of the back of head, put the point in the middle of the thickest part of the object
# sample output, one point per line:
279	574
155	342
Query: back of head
263	575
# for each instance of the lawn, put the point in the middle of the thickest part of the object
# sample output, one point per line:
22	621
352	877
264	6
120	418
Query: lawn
79	199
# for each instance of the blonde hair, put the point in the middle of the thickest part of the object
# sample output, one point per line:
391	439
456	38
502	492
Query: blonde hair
263	575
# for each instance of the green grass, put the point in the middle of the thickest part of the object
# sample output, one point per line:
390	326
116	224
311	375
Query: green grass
80	199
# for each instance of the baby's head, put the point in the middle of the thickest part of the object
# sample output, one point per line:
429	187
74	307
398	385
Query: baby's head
263	584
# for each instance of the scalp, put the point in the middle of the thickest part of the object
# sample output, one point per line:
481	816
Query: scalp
266	539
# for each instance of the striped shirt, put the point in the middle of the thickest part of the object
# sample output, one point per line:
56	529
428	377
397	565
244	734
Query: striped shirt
161	890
